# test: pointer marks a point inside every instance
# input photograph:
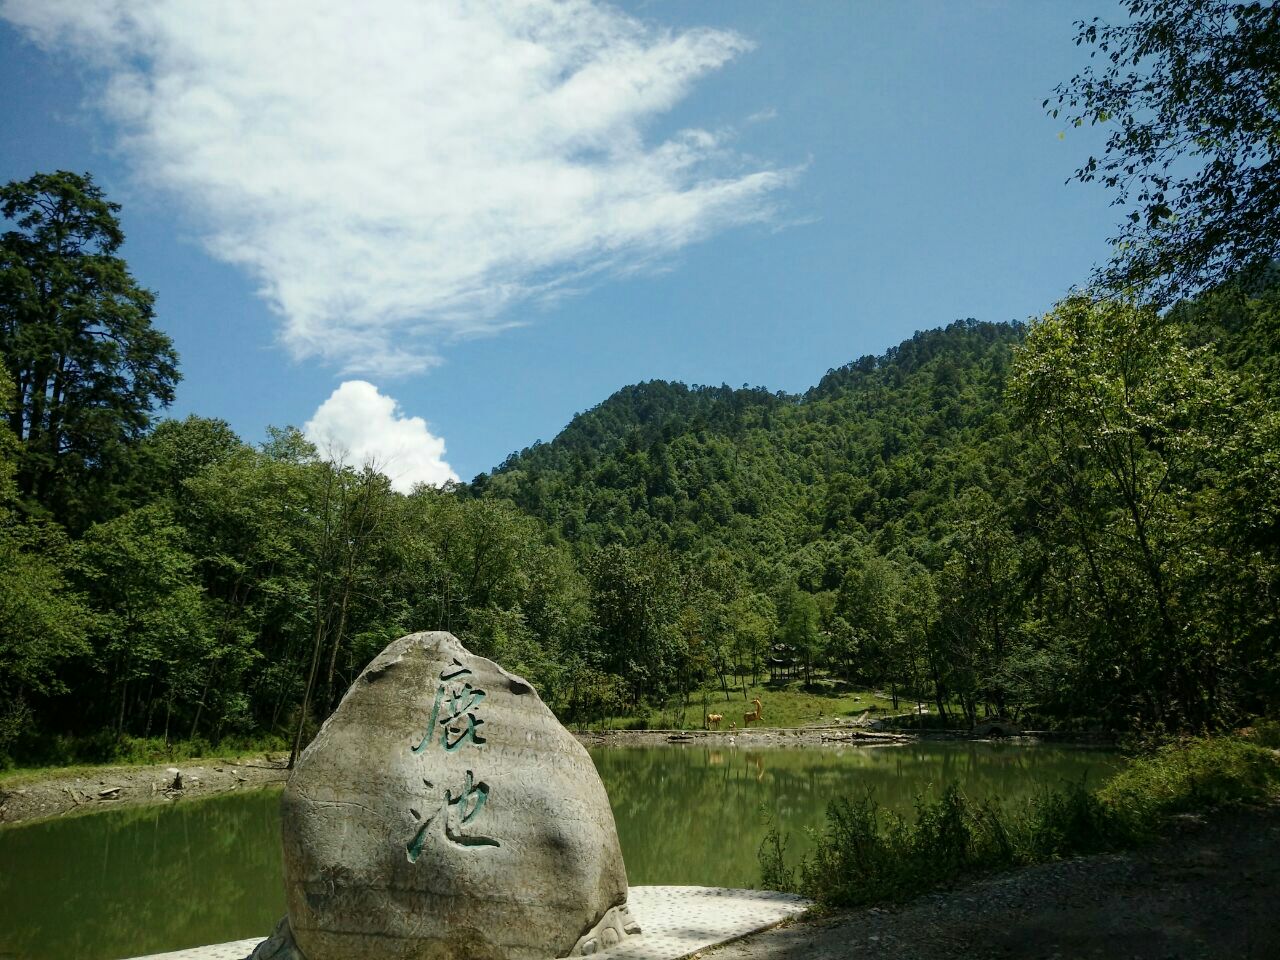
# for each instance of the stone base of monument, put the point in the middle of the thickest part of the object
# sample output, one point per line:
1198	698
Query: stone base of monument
677	922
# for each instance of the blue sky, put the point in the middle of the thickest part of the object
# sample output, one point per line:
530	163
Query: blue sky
729	191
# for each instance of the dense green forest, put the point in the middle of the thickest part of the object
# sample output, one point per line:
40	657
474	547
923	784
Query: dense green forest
1072	522
1075	520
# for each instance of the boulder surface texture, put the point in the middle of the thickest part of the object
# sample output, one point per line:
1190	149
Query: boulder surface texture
444	813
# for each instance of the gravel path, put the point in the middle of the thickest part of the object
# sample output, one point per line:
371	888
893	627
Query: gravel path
1211	890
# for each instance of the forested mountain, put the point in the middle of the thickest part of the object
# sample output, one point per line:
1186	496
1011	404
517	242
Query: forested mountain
1082	525
878	452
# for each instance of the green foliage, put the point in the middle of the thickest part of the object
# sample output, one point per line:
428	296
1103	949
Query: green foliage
866	854
857	527
980	641
817	522
1135	445
781	485
799	628
43	620
1191	775
1267	733
1073	528
1190	93
636	596
77	341
152	623
775	873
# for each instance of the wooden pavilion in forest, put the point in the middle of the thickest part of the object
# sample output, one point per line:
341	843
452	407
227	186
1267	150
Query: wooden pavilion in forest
782	663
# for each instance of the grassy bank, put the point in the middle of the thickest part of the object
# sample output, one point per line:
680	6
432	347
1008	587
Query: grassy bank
867	854
66	755
788	706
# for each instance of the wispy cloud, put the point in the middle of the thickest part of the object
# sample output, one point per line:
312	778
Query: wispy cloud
401	173
361	426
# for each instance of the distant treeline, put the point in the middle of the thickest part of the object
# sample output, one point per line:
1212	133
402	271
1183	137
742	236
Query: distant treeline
1075	522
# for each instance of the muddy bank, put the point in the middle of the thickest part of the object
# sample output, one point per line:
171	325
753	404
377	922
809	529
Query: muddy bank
753	738
103	788
1209	891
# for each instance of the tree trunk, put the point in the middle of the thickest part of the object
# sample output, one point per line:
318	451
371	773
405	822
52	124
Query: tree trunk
168	715
151	709
333	653
204	694
311	683
124	694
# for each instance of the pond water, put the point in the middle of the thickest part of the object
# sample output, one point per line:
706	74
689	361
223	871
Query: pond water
149	879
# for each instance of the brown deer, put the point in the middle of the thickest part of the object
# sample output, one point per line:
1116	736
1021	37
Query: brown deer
713	720
749	718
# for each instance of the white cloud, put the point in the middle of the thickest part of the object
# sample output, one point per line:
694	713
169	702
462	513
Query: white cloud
401	173
359	425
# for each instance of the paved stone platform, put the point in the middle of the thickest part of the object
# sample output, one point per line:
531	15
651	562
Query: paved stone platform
677	923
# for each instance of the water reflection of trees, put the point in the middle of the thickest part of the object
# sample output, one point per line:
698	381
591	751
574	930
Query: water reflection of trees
141	880
693	815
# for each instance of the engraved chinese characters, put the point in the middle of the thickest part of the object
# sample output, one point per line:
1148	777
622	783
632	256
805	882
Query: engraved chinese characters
459	699
443	812
456	725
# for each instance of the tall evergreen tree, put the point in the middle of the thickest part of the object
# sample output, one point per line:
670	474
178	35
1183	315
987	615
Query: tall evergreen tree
77	340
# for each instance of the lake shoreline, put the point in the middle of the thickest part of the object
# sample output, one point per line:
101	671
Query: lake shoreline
834	735
88	790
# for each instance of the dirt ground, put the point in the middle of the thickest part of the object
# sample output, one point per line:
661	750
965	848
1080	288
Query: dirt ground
1210	890
84	791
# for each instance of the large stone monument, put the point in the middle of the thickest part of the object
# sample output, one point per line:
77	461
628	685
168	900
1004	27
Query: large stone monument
443	813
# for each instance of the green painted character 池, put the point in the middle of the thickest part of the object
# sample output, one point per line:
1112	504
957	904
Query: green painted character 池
457	813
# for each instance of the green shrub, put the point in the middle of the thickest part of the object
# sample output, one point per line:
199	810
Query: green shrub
866	854
855	853
1066	823
1266	733
775	873
1187	776
106	748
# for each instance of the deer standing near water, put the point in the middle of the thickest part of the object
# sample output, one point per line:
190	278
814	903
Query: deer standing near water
749	718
